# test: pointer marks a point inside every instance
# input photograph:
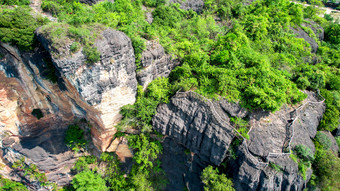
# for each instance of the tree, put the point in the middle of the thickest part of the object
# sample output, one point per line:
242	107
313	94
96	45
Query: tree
88	181
214	181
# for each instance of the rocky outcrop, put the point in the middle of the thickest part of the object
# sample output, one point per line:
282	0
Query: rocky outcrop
182	168
155	63
195	122
91	2
195	5
24	87
102	88
271	137
316	28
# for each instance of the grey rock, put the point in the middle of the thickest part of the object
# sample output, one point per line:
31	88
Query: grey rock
195	5
116	55
194	122
91	2
102	88
318	31
271	133
155	63
247	175
182	169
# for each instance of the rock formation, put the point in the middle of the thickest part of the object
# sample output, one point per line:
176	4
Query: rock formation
23	88
196	123
316	28
91	2
155	63
203	127
271	136
102	88
196	5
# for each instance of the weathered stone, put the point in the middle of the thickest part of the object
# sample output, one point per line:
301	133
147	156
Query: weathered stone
155	63
182	168
102	88
271	135
23	87
194	122
317	29
91	2
195	5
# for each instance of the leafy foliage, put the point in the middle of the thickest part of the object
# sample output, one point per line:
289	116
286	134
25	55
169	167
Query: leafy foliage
31	170
74	138
214	181
323	140
9	185
88	181
17	26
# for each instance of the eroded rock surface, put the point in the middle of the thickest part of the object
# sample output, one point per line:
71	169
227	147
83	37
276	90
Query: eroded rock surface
271	134
183	169
196	5
23	88
155	63
316	28
195	123
102	88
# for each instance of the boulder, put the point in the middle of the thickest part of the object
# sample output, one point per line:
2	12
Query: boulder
155	63
101	88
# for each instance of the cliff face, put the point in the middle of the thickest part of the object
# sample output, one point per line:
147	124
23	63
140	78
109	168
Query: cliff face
203	127
195	123
23	88
270	138
155	63
102	88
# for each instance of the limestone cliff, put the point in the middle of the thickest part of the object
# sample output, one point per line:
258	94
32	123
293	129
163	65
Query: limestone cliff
155	63
24	88
203	127
102	88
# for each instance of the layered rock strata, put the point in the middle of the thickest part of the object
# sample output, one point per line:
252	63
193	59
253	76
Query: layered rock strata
271	137
101	88
23	89
155	63
194	122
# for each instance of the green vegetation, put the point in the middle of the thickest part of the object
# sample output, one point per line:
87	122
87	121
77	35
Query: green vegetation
32	171
326	167
274	166
9	185
241	125
17	26
323	140
214	181
304	158
88	181
15	2
74	138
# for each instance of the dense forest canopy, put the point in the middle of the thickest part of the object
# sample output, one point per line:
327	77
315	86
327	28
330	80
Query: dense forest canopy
244	52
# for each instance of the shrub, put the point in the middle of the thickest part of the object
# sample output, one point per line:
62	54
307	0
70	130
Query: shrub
9	185
214	181
274	166
304	153
75	46
92	54
74	138
17	26
15	2
88	181
323	140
